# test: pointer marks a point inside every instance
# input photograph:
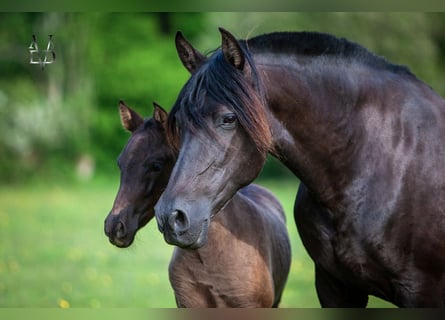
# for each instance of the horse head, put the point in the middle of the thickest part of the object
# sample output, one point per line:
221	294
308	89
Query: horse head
145	164
220	121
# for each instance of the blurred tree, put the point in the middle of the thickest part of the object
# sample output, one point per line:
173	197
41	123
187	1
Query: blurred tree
134	58
39	125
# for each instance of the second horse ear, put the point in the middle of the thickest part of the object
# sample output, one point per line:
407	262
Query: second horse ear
159	114
130	119
189	56
231	49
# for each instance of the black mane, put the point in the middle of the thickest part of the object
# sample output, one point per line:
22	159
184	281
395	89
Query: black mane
218	81
317	44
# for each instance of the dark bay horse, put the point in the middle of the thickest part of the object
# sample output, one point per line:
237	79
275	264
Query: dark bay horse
364	136
246	259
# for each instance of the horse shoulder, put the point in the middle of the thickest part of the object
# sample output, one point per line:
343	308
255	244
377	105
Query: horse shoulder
190	280
268	224
225	272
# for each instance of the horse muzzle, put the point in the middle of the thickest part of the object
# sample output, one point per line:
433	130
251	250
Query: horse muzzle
179	230
118	233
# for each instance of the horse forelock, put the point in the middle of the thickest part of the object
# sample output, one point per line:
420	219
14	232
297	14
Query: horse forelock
223	84
155	134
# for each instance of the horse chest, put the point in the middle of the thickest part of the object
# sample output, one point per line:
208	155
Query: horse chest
216	281
350	255
363	255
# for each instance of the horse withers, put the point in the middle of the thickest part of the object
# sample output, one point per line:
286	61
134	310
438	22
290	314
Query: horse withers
246	260
363	135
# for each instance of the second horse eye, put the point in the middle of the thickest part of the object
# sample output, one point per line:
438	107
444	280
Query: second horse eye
155	167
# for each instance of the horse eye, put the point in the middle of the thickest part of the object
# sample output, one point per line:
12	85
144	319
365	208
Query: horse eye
228	121
229	118
155	167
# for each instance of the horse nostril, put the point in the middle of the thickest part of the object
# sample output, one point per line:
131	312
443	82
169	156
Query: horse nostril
178	221
120	230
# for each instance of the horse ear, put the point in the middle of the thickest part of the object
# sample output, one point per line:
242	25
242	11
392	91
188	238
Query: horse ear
231	49
189	56
159	114
130	119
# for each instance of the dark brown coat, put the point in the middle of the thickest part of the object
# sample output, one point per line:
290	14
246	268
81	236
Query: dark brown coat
246	260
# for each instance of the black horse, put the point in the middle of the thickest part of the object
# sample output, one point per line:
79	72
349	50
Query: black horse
363	135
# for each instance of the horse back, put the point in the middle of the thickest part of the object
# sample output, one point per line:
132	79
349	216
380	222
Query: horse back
267	203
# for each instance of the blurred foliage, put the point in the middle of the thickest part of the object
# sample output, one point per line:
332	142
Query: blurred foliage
55	122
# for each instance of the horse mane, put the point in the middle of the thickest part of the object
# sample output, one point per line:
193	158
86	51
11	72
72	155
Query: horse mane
219	82
317	44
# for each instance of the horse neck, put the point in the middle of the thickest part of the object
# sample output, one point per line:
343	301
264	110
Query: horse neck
314	111
228	226
219	238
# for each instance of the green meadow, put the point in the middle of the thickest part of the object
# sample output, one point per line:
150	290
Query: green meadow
54	252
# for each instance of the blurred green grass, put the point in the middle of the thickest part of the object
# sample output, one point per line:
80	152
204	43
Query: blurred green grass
53	252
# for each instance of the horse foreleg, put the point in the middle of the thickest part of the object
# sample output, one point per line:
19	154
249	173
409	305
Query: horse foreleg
333	293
